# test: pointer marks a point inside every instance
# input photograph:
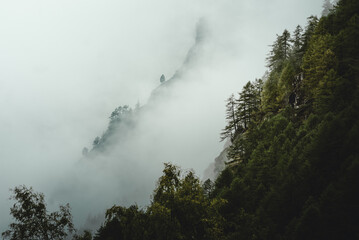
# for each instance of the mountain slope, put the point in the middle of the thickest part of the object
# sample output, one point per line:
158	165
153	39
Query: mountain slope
294	158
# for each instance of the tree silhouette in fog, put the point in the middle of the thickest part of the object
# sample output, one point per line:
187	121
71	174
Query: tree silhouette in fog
33	221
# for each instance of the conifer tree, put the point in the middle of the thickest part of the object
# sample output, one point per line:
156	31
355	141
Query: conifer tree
232	120
297	47
312	23
247	105
280	51
317	62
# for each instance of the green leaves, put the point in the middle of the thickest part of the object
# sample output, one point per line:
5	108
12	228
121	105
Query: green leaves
293	170
180	210
318	60
280	51
32	221
294	173
184	202
243	111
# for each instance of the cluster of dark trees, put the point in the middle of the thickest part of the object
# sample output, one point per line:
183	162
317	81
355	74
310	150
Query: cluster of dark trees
121	121
180	209
294	159
294	172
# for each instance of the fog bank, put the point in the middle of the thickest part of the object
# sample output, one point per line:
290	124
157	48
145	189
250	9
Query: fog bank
65	66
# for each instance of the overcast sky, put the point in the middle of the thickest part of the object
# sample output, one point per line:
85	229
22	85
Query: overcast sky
65	65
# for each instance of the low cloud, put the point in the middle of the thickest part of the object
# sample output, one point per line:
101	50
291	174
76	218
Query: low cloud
65	66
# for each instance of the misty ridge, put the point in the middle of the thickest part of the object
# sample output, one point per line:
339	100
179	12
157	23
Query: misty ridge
126	122
124	118
189	144
170	127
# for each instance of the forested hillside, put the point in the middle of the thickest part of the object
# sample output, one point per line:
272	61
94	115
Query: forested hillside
294	163
293	168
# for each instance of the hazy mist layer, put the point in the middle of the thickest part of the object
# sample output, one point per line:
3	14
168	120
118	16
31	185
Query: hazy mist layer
66	65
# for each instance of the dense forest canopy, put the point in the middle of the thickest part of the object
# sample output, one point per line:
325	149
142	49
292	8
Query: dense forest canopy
293	171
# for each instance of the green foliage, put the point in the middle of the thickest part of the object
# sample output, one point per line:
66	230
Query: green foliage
318	61
312	23
270	95
123	223
248	103
285	83
183	204
244	111
232	119
180	210
297	169
32	220
293	170
280	51
297	47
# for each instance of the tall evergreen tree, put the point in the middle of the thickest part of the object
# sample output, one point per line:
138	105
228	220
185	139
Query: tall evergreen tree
280	51
297	47
248	103
232	120
317	61
245	105
312	23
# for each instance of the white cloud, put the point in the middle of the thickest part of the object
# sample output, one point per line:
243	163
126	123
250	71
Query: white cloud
65	65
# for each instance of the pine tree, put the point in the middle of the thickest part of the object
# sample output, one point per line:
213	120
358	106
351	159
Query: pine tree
297	47
247	105
270	97
258	88
317	62
280	51
232	120
312	23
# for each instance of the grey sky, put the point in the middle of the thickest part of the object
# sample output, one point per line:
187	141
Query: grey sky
65	65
